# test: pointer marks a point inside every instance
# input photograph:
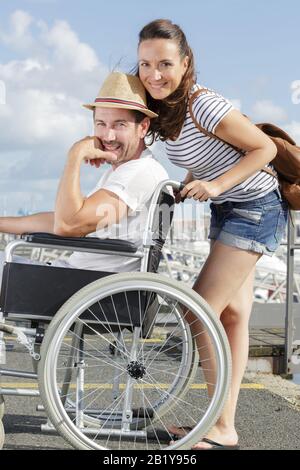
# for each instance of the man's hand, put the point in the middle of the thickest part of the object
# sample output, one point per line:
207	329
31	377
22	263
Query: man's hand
201	190
91	151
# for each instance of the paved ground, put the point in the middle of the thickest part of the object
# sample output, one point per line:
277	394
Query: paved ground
268	416
264	421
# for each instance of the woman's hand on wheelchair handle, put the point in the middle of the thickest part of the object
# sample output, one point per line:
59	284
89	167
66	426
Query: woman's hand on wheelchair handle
177	193
200	190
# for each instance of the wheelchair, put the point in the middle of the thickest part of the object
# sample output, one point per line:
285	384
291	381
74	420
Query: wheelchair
119	357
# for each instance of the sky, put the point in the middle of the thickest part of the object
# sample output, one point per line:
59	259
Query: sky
54	55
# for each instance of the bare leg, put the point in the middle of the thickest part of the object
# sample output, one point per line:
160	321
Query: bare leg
235	319
226	283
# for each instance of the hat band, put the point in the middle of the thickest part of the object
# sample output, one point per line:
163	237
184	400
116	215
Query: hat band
115	100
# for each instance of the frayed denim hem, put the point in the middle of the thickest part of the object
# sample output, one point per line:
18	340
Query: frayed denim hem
243	243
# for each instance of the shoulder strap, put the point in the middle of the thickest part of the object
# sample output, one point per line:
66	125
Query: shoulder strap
213	136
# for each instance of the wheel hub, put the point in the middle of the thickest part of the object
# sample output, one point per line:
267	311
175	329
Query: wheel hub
136	369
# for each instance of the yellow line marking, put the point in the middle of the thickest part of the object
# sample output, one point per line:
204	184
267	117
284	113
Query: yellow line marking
67	340
251	386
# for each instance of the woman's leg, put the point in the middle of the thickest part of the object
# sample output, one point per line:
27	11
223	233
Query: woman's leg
226	283
235	319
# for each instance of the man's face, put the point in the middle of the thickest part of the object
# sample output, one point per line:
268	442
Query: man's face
119	133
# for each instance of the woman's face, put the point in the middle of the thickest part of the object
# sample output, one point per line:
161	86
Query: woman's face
160	66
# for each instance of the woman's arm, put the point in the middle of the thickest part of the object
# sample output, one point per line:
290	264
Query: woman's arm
237	130
41	222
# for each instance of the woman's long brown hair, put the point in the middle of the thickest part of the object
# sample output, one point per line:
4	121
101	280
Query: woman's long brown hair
172	110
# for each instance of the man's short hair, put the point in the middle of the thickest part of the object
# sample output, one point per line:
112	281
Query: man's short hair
138	115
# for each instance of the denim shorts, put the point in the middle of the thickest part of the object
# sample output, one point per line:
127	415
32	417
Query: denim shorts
256	225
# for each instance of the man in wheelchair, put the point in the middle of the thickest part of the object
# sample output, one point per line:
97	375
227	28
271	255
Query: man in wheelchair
114	355
117	207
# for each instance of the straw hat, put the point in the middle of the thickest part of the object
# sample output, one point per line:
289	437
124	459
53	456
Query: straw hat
124	92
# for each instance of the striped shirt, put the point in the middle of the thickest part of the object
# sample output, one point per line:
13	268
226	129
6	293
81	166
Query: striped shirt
208	158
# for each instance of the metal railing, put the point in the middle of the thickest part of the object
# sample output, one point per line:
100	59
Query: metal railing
292	323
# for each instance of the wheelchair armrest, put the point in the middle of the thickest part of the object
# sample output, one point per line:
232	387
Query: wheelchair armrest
94	243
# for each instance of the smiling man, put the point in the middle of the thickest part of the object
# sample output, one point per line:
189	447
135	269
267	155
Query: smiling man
117	206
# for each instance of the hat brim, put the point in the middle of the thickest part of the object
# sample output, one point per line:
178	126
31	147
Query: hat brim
147	112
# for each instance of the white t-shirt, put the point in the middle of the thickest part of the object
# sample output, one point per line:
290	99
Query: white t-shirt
134	182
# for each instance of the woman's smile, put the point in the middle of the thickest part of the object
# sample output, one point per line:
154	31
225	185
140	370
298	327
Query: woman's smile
158	85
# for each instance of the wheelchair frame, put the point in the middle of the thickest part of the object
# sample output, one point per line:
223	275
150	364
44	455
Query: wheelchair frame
131	422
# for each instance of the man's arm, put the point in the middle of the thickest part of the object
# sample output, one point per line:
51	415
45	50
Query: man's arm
76	215
41	222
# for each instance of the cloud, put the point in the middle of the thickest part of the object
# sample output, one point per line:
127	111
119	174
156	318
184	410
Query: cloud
237	104
18	35
293	128
38	118
68	50
51	74
265	110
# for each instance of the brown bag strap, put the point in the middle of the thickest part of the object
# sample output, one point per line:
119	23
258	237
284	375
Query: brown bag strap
197	124
213	136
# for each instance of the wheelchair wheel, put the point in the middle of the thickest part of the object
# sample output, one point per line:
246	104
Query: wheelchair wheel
2	434
2	406
189	363
129	340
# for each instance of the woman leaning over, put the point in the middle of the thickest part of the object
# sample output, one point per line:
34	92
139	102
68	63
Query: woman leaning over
248	215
